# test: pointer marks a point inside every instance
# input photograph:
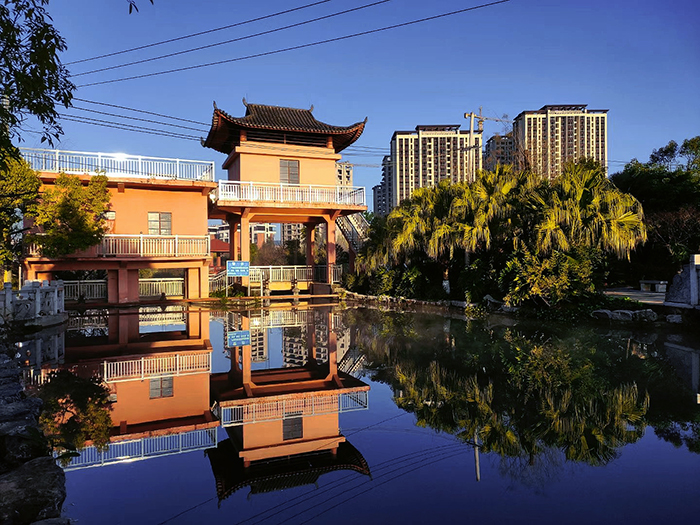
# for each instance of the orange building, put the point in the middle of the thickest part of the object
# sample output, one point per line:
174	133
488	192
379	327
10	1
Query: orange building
157	220
283	423
281	169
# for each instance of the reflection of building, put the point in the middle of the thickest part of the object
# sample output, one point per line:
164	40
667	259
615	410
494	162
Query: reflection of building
283	423
423	158
258	345
553	135
156	363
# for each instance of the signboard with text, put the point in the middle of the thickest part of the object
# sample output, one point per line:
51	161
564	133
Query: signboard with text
238	338
237	268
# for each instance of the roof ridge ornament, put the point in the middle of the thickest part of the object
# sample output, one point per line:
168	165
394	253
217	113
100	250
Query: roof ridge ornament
311	108
245	102
215	106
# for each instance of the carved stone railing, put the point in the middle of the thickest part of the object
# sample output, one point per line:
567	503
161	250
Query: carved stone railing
34	302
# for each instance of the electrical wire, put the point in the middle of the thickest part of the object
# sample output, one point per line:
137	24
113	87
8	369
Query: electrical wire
208	31
124	128
138	111
139	119
301	46
262	33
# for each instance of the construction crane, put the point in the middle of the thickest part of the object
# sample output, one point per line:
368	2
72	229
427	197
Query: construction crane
480	120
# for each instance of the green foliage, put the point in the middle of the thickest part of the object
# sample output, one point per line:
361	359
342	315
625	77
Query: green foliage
75	410
269	254
509	234
32	79
19	189
668	186
70	215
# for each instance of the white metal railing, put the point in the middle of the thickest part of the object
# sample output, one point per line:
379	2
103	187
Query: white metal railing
114	245
275	274
161	366
118	164
278	318
290	193
144	448
156	316
171	287
87	290
311	404
217	282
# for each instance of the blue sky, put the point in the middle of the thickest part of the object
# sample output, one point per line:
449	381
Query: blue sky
639	59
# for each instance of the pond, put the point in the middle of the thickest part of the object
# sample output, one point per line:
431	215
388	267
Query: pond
321	414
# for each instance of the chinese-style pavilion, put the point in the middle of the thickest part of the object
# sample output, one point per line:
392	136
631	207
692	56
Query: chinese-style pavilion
281	169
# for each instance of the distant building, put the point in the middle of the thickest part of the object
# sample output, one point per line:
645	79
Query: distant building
424	157
260	233
344	170
556	134
500	149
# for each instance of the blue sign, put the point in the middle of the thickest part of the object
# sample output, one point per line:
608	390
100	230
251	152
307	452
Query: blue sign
239	338
237	268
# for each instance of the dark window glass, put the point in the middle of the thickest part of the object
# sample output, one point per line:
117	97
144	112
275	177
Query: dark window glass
292	428
161	387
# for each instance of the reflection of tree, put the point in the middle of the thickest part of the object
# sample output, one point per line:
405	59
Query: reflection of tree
533	400
76	410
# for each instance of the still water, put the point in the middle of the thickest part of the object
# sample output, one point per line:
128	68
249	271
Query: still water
319	415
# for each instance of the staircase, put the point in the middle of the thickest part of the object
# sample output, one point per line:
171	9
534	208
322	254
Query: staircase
355	229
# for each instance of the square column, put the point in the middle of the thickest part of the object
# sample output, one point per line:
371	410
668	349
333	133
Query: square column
245	242
330	244
310	234
234	240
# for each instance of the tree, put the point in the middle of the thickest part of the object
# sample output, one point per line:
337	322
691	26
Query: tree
70	216
19	189
32	79
668	186
75	410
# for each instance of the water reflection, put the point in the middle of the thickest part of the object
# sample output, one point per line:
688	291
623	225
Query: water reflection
535	397
280	423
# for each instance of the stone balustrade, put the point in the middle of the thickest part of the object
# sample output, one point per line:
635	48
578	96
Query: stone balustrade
38	303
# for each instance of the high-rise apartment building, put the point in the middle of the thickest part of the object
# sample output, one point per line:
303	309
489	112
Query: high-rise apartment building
424	157
556	134
499	149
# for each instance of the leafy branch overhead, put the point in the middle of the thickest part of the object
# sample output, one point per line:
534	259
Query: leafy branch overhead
33	81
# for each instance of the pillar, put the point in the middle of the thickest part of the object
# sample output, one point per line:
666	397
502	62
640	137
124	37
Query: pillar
122	285
310	229
694	274
245	242
330	244
234	240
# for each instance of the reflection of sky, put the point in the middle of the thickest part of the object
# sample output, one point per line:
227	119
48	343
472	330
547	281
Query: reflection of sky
418	476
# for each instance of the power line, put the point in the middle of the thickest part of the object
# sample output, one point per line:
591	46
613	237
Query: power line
138	111
301	46
198	34
191	50
124	128
139	119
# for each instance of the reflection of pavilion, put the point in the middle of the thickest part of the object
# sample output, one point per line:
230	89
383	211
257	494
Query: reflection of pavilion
156	364
283	423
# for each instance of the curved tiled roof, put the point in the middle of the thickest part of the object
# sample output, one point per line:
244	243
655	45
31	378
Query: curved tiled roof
225	129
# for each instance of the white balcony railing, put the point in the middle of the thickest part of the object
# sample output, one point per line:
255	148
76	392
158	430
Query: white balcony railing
144	448
290	193
118	164
113	245
307	404
171	287
150	367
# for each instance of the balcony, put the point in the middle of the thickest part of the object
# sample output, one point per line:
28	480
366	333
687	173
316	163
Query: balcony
127	246
118	165
161	366
280	194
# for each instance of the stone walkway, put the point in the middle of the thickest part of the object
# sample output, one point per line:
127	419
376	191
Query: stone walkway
637	295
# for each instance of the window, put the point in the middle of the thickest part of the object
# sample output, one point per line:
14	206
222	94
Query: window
289	171
292	428
160	223
161	387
